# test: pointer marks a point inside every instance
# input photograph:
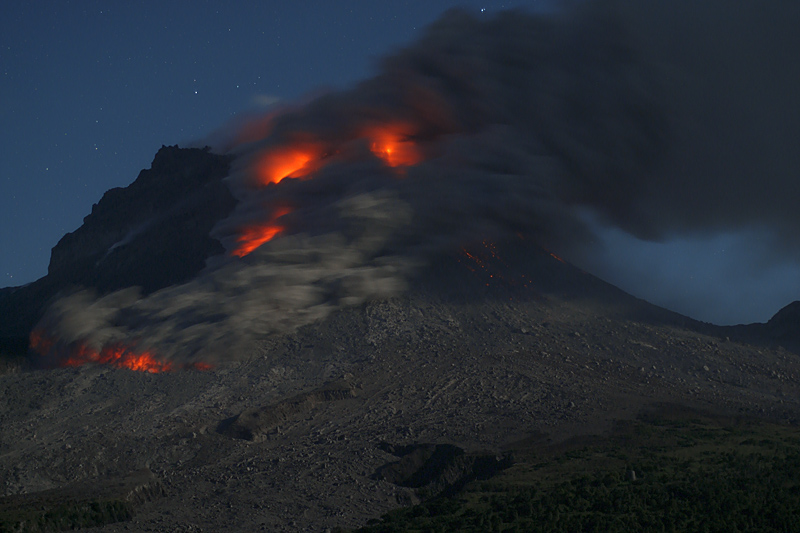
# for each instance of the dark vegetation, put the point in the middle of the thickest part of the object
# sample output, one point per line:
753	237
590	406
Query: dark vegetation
654	474
63	516
83	505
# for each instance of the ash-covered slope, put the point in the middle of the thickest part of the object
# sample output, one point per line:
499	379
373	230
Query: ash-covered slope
151	234
295	434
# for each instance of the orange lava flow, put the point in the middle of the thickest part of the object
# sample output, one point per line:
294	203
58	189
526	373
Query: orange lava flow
251	237
119	356
392	144
116	354
287	162
301	158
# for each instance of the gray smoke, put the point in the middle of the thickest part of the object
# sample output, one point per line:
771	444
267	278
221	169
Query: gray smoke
659	117
730	72
282	285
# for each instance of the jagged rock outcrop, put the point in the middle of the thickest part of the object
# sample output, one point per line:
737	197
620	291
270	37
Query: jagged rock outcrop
153	233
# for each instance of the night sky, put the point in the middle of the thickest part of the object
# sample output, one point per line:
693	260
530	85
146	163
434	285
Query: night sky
90	90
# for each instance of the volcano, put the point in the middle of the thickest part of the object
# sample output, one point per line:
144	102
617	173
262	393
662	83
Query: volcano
364	304
491	347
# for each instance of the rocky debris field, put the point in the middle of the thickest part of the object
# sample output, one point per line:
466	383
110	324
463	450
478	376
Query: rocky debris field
298	435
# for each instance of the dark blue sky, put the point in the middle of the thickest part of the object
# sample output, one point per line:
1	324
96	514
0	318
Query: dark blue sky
90	90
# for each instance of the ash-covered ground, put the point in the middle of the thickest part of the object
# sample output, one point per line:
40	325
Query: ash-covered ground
454	361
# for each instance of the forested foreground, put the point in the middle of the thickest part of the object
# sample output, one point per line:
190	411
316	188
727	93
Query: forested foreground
656	474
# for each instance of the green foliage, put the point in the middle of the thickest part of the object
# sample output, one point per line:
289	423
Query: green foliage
690	475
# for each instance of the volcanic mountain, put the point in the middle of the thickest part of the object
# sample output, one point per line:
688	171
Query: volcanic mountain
492	345
351	305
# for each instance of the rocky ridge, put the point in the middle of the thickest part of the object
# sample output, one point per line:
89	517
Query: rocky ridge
152	234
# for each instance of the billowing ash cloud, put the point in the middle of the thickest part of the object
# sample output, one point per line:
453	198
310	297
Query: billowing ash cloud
730	79
294	281
660	117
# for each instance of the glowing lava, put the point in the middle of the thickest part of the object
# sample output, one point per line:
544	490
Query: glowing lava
119	356
492	268
392	143
301	158
116	354
251	237
287	162
488	262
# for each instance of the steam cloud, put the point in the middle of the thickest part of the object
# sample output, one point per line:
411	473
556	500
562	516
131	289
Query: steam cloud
660	117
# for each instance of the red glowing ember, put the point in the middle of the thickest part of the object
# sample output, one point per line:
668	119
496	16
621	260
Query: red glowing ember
487	263
251	237
116	354
119	356
287	162
392	143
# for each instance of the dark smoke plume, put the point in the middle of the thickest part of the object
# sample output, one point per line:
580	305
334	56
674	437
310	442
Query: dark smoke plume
730	75
659	117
